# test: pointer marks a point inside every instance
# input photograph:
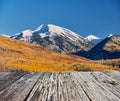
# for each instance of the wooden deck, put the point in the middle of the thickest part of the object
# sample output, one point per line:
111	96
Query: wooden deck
75	86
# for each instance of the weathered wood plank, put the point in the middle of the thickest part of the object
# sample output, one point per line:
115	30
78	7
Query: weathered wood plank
3	74
45	89
7	78
71	89
115	75
73	86
109	83
18	90
95	90
59	87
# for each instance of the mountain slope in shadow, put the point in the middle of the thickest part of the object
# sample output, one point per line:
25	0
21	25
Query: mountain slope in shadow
109	48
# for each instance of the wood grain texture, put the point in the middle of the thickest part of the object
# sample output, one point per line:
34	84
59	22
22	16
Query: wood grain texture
67	86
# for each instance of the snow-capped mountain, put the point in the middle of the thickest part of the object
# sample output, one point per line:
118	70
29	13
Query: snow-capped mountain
91	37
55	38
110	35
25	35
107	49
94	39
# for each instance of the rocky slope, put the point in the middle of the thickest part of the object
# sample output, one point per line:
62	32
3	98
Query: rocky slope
109	48
55	38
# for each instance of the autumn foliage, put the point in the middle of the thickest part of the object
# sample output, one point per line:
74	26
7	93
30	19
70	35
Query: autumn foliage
20	55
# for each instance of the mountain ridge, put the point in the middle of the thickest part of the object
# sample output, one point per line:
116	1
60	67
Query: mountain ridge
92	38
55	38
109	48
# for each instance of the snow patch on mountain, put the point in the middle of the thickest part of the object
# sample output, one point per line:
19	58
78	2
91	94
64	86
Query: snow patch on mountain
25	35
91	37
110	35
53	30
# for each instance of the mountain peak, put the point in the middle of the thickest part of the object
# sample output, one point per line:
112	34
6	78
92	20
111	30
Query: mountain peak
92	37
55	38
42	26
110	35
51	30
47	27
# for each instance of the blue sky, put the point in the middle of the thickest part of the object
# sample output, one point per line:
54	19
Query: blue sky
98	17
